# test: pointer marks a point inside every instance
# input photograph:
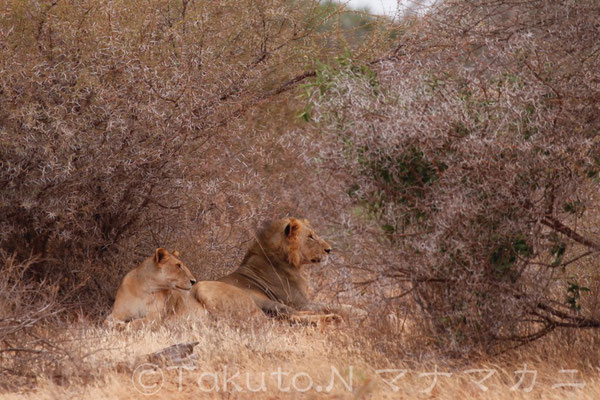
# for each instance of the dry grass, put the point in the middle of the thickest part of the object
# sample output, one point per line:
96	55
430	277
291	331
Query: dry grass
107	367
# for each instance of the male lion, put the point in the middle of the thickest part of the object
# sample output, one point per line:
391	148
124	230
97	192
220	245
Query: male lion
271	271
221	300
151	291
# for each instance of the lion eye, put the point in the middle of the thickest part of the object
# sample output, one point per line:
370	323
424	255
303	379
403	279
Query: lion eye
311	237
179	266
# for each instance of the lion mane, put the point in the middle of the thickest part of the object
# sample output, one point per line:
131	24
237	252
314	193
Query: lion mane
271	271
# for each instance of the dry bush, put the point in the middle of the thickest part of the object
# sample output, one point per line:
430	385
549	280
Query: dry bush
475	148
25	306
122	123
42	333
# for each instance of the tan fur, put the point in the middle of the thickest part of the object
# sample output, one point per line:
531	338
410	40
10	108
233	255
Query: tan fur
152	290
271	272
221	300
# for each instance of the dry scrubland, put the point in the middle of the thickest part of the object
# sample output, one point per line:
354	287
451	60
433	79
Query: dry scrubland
451	157
102	364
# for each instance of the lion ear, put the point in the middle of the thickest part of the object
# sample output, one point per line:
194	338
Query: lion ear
160	255
175	253
292	227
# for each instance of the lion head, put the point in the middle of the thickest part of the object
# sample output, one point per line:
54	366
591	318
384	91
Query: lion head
293	240
171	273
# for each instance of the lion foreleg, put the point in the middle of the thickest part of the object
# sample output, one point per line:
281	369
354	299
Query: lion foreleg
346	311
274	308
310	318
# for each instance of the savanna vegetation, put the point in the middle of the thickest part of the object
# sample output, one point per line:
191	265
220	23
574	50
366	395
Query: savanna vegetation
450	154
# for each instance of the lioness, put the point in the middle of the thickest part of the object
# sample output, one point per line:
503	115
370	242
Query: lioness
151	290
271	271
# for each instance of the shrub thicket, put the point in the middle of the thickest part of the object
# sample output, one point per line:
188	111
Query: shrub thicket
476	146
115	116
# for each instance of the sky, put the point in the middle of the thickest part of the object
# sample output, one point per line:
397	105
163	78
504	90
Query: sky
382	7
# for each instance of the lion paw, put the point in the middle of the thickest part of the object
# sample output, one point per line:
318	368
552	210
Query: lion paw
332	318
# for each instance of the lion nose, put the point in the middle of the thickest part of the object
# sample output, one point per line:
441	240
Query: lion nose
327	250
192	281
